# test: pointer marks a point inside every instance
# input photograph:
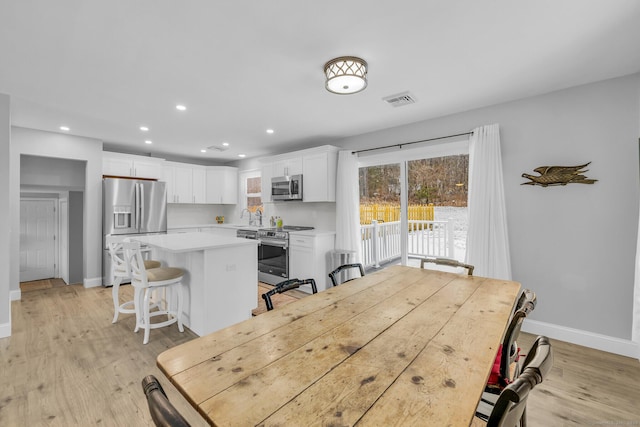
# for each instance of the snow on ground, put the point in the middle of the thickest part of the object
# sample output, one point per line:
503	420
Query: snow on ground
459	216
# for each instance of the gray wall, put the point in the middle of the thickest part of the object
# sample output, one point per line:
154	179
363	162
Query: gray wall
54	145
574	245
76	236
5	215
51	172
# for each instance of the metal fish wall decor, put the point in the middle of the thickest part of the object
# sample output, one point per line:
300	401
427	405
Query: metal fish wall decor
558	175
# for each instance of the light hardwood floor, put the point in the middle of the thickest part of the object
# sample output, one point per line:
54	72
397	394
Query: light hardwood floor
67	365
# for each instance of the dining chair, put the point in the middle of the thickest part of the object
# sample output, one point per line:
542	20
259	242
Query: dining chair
335	274
505	367
285	286
145	282
509	409
122	271
527	297
447	262
163	413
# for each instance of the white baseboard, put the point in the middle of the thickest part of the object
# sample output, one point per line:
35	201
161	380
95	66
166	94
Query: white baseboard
15	295
584	338
5	330
94	282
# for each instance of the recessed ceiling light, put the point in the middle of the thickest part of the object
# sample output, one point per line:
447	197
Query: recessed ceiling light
64	128
181	107
269	130
203	151
148	142
144	128
242	155
225	144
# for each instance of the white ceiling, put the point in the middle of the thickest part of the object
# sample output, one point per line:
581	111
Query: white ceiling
104	68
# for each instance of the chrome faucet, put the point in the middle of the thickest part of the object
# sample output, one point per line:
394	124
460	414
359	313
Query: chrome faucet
251	220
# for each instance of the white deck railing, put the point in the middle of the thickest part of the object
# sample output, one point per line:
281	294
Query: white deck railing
381	241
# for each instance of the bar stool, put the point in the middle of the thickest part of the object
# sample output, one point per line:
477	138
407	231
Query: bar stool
145	282
121	271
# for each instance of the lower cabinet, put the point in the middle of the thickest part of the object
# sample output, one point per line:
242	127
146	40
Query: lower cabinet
220	231
309	258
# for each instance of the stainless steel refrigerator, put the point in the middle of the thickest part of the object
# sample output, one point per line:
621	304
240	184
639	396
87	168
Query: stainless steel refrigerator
131	207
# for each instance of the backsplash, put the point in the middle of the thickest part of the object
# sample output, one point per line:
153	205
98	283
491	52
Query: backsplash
321	216
190	214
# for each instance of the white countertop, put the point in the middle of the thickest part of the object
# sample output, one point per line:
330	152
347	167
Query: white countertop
314	232
190	242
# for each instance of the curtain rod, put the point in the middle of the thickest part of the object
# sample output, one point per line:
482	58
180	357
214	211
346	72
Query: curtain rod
409	143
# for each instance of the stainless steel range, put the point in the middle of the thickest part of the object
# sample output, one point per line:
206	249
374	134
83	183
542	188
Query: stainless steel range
273	252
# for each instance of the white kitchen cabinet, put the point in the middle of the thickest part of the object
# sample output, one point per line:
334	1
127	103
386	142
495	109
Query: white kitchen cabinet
319	176
318	167
127	165
222	185
219	231
199	180
185	183
309	259
287	166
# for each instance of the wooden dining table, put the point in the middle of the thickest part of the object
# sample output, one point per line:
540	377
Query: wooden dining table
403	346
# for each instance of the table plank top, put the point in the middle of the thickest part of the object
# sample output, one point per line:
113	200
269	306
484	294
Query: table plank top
403	346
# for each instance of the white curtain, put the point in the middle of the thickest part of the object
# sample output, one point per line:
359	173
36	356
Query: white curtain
635	329
347	204
487	238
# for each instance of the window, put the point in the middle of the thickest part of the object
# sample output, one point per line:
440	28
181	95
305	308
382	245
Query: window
251	182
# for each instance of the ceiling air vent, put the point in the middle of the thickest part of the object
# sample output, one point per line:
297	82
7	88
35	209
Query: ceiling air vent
400	99
218	148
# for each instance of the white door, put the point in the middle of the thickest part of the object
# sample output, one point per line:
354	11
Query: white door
63	241
37	239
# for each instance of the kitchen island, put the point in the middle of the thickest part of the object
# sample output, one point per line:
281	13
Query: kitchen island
221	276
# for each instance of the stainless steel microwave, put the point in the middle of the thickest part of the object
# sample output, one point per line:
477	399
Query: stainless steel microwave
286	188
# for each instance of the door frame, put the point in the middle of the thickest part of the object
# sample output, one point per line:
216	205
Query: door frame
63	239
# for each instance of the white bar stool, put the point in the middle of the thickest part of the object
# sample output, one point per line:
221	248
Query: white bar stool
121	271
145	281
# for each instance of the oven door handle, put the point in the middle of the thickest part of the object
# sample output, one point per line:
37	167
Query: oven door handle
279	243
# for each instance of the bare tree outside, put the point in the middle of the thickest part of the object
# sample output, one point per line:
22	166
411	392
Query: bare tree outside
441	181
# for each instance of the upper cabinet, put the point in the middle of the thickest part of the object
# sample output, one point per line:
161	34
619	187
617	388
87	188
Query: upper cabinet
186	183
127	165
287	166
318	167
319	177
222	185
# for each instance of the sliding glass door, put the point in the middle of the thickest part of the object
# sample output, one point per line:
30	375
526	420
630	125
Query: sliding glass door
414	206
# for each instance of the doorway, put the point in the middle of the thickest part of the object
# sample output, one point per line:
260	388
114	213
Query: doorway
413	203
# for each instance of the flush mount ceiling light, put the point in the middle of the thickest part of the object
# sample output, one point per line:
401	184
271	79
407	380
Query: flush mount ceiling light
346	75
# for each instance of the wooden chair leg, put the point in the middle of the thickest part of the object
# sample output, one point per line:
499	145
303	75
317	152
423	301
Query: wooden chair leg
116	299
137	301
146	316
180	291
